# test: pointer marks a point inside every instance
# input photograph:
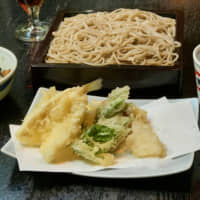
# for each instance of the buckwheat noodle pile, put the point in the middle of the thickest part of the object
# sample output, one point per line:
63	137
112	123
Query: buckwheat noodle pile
124	36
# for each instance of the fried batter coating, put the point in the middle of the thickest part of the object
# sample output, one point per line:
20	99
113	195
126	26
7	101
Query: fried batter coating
56	120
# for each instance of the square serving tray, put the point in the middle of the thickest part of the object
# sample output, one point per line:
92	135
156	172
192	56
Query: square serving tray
145	81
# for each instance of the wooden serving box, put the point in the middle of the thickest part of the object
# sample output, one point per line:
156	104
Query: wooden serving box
145	81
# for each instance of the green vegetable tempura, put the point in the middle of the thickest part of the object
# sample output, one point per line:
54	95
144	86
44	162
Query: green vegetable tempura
110	129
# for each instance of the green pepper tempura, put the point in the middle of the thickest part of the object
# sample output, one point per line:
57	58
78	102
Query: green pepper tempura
110	129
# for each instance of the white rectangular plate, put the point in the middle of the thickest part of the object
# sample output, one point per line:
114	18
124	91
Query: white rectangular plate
172	166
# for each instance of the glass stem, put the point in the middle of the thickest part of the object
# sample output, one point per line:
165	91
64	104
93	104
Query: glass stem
34	15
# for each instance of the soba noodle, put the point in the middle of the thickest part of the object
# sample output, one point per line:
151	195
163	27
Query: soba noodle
124	36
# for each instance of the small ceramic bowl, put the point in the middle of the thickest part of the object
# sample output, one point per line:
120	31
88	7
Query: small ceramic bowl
7	61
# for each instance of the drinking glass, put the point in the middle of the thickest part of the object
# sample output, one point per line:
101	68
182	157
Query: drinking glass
196	60
34	30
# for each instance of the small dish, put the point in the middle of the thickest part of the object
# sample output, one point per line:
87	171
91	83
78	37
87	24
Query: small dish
7	61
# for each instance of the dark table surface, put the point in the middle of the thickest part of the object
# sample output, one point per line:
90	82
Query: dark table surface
27	185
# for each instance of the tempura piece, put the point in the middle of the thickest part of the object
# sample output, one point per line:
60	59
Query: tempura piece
143	142
95	142
90	117
110	129
115	103
66	131
39	123
46	96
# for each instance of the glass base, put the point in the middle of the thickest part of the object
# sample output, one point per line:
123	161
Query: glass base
29	33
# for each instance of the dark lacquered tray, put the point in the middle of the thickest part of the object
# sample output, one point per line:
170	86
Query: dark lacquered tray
144	80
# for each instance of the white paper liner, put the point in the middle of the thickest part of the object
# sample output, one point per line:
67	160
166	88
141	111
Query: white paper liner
174	123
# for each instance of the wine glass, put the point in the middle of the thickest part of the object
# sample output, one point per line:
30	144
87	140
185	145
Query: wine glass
35	30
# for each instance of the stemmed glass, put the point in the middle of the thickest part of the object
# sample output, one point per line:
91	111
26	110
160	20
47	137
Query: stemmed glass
34	30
